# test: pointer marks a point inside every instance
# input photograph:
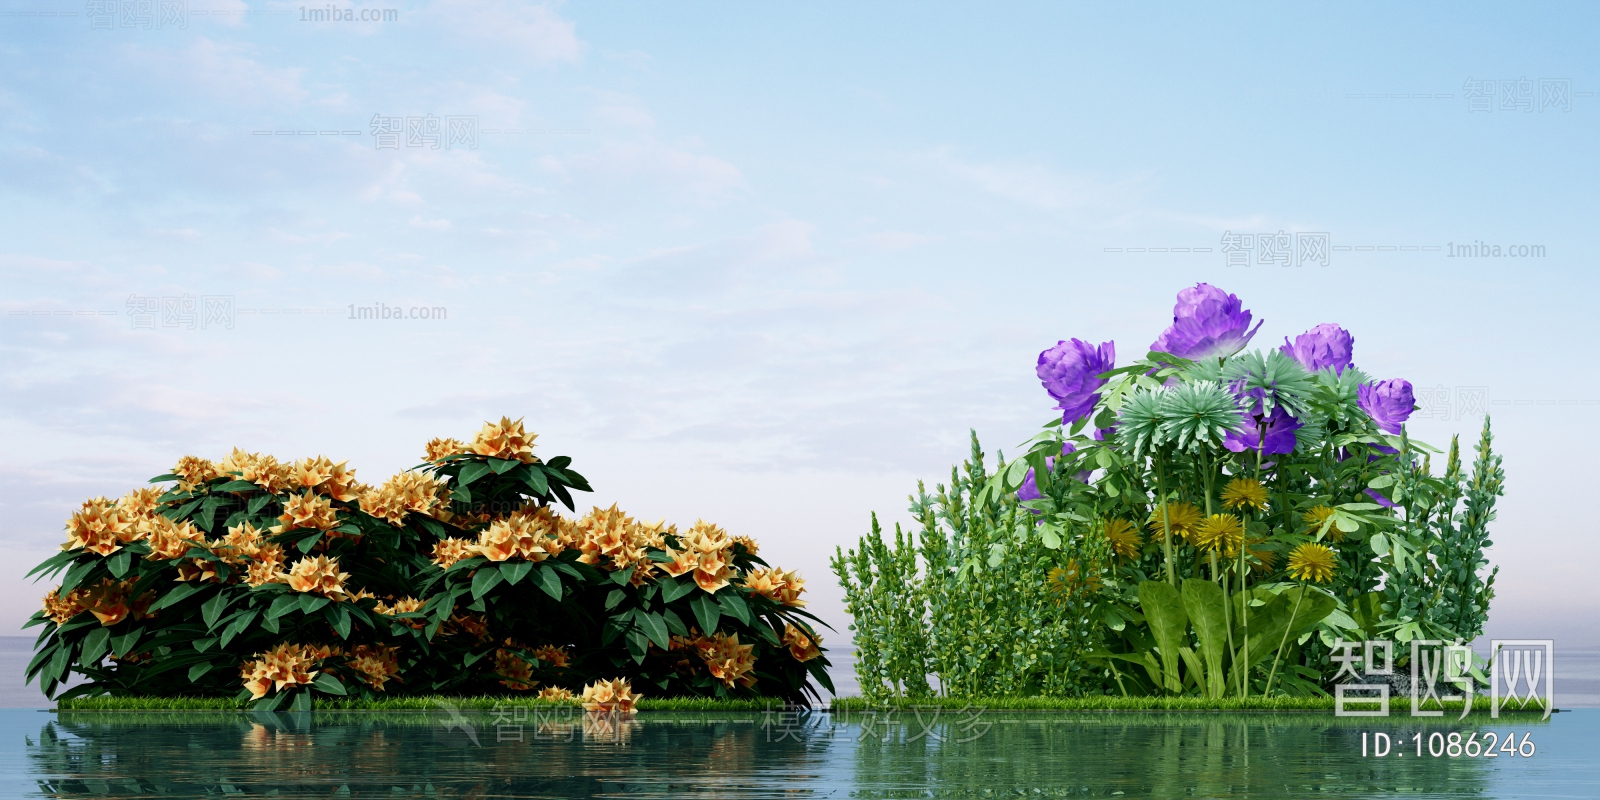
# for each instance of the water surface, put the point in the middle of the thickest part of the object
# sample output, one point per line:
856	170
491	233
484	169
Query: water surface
480	754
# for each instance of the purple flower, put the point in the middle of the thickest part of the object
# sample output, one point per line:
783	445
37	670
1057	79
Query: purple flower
1326	345
1206	323
1389	403
1380	499
1274	435
1029	490
1068	372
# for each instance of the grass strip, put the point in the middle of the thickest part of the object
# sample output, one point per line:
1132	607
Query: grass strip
423	703
1110	703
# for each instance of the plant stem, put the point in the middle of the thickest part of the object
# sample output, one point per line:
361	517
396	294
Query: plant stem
1266	691
1166	527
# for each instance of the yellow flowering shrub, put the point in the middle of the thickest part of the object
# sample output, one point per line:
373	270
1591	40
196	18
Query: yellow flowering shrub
277	580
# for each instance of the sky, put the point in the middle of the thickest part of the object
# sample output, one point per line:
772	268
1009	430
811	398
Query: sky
768	264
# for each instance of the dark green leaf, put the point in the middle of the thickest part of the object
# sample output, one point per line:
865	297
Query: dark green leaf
674	622
95	646
638	645
327	684
674	588
534	477
311	602
654	627
616	596
734	606
52	564
283	605
199	669
339	618
472	472
501	466
622	576
202	645
212	609
309	542
119	563
302	701
560	462
122	645
431	526
176	594
550	582
563	496
77	574
259	502
462	494
706	611
484	580
238	486
515	571
163	478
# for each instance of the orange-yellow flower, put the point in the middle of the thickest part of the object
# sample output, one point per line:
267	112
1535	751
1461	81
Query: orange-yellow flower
100	527
447	552
264	572
802	646
284	666
777	585
615	695
193	471
514	671
307	511
555	693
263	471
552	655
171	540
507	440
375	665
319	575
439	449
321	475
405	605
408	492
140	503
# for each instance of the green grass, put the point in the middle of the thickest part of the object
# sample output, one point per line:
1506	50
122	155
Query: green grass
1108	703
427	703
708	704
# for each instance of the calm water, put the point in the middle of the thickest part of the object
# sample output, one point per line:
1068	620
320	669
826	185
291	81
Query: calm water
481	755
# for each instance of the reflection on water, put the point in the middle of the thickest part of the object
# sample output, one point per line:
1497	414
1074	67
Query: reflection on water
477	754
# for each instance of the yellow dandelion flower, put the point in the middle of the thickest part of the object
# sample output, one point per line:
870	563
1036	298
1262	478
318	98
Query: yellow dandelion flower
1124	538
1224	532
1317	517
1181	517
1245	493
1265	561
1073	580
1312	562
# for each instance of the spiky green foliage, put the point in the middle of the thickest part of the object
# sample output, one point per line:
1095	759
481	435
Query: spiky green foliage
1273	379
1196	415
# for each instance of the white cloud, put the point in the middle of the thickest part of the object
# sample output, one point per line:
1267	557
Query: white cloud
222	70
534	30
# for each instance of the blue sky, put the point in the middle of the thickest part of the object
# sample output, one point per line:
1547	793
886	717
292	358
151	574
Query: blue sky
766	264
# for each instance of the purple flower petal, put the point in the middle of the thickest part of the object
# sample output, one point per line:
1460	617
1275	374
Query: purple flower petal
1068	372
1326	345
1278	438
1206	323
1389	403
